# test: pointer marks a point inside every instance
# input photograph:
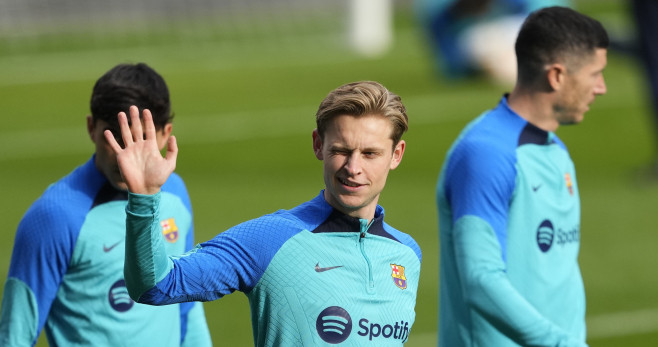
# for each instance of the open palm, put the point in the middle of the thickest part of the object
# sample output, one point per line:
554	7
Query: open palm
143	167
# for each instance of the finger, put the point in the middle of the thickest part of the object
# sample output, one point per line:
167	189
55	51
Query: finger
136	124
109	137
126	135
149	127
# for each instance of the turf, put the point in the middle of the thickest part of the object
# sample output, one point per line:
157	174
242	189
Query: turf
244	118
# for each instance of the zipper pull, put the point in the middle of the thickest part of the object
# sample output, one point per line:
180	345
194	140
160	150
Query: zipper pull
365	224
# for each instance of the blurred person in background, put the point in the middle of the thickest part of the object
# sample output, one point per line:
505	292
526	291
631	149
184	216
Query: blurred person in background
66	271
508	200
469	37
328	271
645	13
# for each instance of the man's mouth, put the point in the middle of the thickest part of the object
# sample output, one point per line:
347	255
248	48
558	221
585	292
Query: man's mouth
348	183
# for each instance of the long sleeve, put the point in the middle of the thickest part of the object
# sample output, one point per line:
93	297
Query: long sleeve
39	261
233	260
488	290
19	315
146	259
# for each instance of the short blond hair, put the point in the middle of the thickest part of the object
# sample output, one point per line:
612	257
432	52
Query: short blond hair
361	99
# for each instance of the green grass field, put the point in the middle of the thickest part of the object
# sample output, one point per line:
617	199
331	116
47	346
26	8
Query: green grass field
244	118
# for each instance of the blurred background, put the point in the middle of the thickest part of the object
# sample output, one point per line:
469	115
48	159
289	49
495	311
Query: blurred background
246	77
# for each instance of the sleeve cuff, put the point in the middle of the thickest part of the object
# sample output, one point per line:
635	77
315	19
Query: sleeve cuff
141	204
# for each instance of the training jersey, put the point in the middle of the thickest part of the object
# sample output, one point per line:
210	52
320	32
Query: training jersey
66	270
509	216
313	275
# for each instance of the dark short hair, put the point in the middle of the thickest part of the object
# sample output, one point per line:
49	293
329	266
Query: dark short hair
131	84
363	98
556	34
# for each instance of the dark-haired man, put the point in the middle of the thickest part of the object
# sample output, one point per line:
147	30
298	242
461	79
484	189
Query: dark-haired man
66	271
509	208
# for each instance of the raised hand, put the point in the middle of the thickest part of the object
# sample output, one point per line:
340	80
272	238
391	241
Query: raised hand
142	165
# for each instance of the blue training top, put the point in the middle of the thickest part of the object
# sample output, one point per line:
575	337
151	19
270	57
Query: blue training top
313	275
509	217
66	270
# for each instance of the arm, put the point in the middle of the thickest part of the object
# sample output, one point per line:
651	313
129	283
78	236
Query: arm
481	183
231	261
19	316
39	261
488	290
147	262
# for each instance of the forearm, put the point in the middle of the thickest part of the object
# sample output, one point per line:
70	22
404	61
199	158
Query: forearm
146	259
40	259
488	290
19	315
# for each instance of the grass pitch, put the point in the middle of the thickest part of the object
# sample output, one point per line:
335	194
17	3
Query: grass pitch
244	118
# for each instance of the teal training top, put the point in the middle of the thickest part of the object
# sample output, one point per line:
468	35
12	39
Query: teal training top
313	276
509	217
66	270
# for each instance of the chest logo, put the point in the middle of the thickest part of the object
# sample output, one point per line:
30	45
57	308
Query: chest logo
545	235
334	325
323	269
169	230
111	247
567	179
118	297
397	272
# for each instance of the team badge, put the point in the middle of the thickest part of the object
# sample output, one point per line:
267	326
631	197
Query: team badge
397	272
169	230
567	179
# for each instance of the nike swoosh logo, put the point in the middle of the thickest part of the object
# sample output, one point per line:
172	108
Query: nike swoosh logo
107	249
323	269
536	188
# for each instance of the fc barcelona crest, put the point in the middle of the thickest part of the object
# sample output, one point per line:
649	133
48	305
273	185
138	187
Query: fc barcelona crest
567	179
169	230
397	272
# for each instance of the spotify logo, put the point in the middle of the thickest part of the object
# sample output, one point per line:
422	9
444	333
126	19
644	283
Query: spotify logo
545	235
334	325
119	298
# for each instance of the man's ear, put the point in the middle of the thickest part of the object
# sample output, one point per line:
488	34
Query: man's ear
317	145
398	152
166	132
556	75
90	128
